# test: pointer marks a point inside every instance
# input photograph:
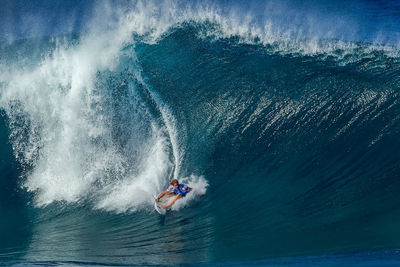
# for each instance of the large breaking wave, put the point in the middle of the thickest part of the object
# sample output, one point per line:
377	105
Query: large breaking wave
285	125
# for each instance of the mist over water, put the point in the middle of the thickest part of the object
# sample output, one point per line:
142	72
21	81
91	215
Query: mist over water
282	116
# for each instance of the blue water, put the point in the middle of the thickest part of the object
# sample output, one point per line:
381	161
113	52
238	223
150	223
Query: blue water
282	116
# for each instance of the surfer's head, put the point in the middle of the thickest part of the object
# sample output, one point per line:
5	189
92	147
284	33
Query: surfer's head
174	182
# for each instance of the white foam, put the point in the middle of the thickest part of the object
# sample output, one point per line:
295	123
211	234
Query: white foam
307	34
132	192
59	99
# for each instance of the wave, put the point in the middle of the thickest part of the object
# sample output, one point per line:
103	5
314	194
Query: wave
286	129
306	28
79	139
305	33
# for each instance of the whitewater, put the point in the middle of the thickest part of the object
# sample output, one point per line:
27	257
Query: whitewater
282	117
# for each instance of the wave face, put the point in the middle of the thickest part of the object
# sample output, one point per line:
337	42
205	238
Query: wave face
285	126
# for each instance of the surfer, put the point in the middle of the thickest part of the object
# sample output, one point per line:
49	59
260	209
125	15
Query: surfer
175	189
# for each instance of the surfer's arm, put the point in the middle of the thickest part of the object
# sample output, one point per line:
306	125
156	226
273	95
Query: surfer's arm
161	195
172	202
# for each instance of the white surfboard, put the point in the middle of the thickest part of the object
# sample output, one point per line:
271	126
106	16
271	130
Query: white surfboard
159	209
164	201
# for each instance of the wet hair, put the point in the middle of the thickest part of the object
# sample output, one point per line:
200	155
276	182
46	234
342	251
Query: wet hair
173	181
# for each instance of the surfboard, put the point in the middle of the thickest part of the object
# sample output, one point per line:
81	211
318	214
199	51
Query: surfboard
159	209
165	200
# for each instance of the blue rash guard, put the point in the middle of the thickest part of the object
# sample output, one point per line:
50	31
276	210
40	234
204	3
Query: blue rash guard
182	189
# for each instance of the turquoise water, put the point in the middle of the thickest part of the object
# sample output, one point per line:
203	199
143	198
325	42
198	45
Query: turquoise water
285	125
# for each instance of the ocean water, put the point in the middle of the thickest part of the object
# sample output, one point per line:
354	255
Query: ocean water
284	118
